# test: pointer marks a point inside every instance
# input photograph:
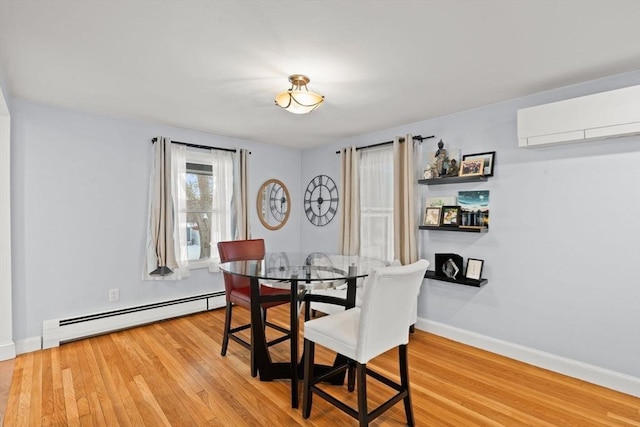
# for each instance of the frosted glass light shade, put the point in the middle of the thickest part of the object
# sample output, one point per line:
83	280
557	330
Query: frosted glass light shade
298	99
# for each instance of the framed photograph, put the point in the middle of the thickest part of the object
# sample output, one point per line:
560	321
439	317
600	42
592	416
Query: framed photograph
450	216
473	167
432	216
474	269
488	160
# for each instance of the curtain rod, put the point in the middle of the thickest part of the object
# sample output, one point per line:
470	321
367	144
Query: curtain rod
206	147
418	137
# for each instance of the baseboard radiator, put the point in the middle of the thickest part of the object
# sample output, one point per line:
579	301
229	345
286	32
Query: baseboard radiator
58	331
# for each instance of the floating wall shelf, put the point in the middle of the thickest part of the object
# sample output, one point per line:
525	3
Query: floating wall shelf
430	274
463	229
453	180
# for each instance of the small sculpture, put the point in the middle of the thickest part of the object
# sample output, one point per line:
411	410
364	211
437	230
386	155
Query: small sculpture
441	158
454	169
430	172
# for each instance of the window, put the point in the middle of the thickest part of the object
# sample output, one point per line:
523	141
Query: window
208	192
376	203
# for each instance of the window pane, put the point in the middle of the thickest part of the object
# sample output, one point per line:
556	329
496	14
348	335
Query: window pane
199	192
199	203
198	235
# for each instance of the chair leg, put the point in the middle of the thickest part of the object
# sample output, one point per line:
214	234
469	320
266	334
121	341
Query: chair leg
309	349
361	373
351	376
404	382
227	327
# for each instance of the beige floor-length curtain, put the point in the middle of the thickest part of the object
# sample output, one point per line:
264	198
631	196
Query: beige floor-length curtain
161	256
240	196
404	222
349	238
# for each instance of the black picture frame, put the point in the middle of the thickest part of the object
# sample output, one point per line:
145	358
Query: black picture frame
474	269
488	158
450	216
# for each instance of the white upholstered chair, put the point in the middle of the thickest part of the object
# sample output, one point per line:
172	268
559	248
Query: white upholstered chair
341	292
362	333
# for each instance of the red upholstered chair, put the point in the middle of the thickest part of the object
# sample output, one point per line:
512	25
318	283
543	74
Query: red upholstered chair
238	293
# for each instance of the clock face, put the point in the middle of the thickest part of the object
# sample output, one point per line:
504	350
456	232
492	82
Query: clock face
278	202
321	200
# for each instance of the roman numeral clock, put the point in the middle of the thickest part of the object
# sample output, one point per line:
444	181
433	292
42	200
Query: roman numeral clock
321	200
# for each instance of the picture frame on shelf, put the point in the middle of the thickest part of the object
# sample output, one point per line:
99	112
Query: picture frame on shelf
471	167
474	269
488	161
474	208
432	216
440	201
450	216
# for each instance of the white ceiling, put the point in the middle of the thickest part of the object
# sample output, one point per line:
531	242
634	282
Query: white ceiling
216	66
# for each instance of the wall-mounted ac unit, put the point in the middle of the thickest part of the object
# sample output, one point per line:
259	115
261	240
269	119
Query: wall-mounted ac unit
597	116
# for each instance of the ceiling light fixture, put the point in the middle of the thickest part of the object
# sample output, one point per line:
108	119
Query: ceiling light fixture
298	99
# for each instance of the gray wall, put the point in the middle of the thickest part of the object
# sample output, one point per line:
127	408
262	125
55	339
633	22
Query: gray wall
79	209
562	253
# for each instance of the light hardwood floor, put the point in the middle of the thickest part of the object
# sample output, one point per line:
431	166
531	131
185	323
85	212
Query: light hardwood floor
171	374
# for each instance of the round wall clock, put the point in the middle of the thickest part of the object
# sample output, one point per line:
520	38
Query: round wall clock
321	200
278	202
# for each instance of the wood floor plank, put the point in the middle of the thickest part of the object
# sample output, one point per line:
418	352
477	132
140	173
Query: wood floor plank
126	413
171	373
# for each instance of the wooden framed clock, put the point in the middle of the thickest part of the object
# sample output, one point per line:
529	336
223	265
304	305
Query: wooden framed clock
274	204
321	200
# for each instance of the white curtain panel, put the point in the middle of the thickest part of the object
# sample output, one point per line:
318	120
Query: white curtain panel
405	230
179	193
349	209
223	217
376	202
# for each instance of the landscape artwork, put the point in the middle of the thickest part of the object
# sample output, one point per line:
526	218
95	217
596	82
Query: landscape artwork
474	208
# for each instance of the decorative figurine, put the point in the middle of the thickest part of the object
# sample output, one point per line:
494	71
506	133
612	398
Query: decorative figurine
453	169
441	158
430	172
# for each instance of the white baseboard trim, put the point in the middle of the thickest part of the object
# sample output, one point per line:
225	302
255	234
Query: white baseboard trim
7	350
57	331
590	373
28	345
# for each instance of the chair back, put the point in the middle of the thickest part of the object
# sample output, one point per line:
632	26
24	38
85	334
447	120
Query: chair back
239	250
390	295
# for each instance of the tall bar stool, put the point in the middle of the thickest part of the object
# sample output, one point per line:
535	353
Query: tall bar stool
363	333
238	293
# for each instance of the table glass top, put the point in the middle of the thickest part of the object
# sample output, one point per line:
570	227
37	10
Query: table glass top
315	266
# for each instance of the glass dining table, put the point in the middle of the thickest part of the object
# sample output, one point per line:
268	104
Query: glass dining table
302	273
